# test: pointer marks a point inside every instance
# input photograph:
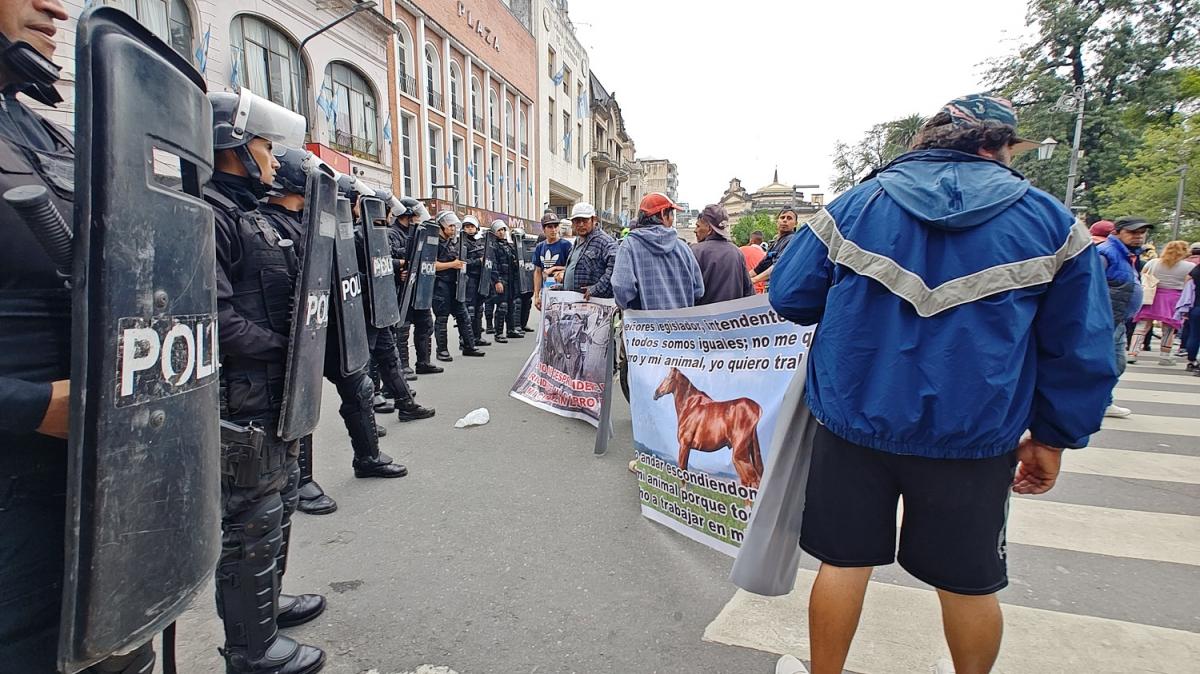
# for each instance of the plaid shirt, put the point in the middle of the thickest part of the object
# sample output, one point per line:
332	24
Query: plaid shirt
596	253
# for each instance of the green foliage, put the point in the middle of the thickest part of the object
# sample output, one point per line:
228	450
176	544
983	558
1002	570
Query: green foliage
752	222
881	144
1150	186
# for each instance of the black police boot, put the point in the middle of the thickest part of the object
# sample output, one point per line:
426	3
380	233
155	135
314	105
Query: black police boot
473	353
297	609
284	656
515	334
411	411
409	373
380	465
501	312
429	368
441	337
383	405
314	500
481	342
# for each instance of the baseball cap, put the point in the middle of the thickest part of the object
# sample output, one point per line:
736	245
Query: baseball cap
583	210
549	218
1102	228
978	109
717	218
1195	246
1132	224
655	203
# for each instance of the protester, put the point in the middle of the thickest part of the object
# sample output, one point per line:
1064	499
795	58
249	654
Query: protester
722	266
589	266
786	222
1100	231
1171	272
1118	257
754	254
549	258
655	269
937	413
1189	325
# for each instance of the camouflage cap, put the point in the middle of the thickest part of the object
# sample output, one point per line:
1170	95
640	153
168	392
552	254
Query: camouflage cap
979	109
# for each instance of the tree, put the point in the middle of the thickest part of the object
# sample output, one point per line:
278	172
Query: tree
751	222
1131	59
1149	188
879	145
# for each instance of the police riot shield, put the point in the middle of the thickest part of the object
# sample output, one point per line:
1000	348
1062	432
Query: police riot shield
426	266
460	288
347	293
489	262
383	305
143	485
310	310
524	262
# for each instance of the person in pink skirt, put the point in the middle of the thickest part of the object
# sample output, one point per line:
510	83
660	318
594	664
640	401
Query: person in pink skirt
1171	270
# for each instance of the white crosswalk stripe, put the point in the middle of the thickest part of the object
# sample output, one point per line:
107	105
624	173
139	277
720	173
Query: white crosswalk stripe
901	631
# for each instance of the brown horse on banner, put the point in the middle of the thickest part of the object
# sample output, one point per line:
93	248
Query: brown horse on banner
707	425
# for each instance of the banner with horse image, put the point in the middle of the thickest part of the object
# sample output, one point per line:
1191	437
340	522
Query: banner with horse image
705	387
570	367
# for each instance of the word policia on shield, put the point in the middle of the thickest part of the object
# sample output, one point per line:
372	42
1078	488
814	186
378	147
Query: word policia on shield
570	367
705	387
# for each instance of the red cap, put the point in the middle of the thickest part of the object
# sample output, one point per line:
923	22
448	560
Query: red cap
1102	228
657	202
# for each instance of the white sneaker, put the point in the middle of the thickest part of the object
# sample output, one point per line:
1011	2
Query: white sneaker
790	664
943	666
1117	412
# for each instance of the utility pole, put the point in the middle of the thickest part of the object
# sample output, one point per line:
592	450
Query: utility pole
1073	102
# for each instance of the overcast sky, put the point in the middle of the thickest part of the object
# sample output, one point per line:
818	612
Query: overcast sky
734	88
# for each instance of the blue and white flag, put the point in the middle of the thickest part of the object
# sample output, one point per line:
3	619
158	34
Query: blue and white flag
583	106
471	169
558	77
387	130
202	50
491	177
567	142
235	70
326	106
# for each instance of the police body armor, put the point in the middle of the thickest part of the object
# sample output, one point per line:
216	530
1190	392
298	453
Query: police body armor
486	283
310	310
347	292
460	287
383	305
144	474
524	263
422	260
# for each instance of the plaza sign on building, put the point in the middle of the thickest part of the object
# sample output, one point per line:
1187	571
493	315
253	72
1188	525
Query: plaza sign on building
476	24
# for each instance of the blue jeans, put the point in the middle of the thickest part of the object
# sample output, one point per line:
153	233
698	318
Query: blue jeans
1119	352
1192	343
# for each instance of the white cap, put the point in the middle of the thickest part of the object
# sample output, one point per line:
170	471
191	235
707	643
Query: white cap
583	210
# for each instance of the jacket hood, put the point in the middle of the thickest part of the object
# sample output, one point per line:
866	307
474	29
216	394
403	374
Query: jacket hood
951	190
657	239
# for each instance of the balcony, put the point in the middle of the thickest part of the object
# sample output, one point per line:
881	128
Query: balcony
361	148
525	148
477	122
408	85
496	133
603	160
458	112
434	98
512	140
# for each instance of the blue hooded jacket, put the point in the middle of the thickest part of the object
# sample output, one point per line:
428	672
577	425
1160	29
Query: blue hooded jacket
958	307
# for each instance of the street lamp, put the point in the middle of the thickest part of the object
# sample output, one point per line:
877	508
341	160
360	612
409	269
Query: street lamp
359	6
1046	148
1072	101
1182	171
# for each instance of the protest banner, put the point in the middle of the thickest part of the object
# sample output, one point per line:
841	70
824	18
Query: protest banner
571	365
705	386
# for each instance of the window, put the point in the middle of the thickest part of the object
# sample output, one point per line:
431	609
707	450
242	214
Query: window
477	170
456	93
405	64
269	64
407	122
509	187
508	124
476	104
566	81
493	180
433	77
492	113
435	156
551	70
579	143
522	201
566	135
456	153
170	20
553	139
356	121
524	131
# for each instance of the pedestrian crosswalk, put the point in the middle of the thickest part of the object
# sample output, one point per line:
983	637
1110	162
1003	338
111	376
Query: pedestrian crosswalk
1110	585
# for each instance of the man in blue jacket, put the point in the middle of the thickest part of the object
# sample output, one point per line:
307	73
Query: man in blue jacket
1118	256
959	308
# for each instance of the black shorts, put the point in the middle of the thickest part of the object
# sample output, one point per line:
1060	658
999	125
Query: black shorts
953	533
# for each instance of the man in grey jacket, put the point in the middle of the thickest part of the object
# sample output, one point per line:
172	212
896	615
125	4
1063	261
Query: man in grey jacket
722	265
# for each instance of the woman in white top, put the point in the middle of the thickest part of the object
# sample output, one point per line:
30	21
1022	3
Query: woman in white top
1171	270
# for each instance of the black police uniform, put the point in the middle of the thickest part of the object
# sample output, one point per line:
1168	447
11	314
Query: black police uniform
255	282
474	249
446	304
506	270
419	322
526	298
35	349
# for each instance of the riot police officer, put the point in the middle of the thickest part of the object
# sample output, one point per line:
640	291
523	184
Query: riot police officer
474	249
419	322
256	266
35	357
506	277
445	292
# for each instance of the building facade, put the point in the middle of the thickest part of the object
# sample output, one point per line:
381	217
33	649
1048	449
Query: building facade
563	77
616	178
660	175
432	99
773	197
